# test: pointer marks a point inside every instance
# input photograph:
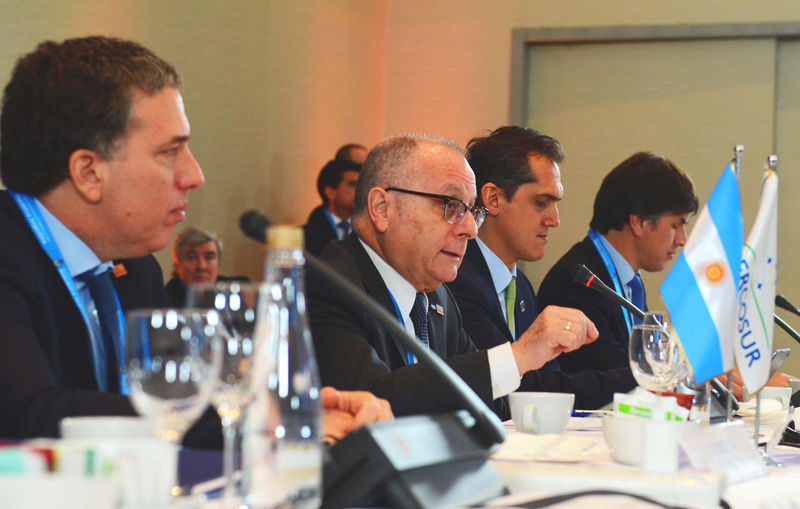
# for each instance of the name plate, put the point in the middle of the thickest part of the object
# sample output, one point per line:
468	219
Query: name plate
726	447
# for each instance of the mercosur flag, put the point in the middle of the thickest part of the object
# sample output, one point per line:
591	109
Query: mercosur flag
757	275
700	290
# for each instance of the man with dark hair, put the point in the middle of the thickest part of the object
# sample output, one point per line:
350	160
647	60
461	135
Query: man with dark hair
98	169
96	160
639	222
519	183
336	186
412	219
352	152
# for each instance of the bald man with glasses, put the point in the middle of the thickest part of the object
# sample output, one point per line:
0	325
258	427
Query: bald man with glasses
412	219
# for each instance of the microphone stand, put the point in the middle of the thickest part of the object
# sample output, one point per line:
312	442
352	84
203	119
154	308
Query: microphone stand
786	327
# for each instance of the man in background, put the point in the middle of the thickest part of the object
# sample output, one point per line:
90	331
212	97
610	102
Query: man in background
336	186
196	255
352	152
519	183
412	219
639	223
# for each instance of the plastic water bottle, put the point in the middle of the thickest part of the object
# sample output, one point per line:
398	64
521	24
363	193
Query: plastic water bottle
283	435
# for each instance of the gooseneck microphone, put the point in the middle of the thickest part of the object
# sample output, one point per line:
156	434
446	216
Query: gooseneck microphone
783	303
585	277
254	224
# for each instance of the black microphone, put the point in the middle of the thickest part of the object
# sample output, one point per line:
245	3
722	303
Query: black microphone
782	302
583	276
254	224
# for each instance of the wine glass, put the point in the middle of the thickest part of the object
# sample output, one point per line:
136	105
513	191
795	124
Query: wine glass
172	366
655	355
236	304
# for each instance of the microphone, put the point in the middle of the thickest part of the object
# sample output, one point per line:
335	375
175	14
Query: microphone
782	302
254	224
583	276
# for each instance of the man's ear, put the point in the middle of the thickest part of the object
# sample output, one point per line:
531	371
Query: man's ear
636	224
492	197
88	172
329	192
379	208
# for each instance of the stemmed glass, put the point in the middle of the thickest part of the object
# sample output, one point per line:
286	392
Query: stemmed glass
171	369
655	356
171	366
236	304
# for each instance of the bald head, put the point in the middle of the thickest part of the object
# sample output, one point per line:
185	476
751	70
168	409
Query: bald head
393	162
401	204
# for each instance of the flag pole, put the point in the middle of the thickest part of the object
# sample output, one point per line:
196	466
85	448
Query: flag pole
737	168
772	163
737	160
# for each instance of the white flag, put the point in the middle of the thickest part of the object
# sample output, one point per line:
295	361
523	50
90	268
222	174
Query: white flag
757	277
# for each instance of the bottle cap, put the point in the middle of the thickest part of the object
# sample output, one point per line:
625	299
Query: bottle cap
285	237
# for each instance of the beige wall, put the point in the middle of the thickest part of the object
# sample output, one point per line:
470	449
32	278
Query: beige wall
274	87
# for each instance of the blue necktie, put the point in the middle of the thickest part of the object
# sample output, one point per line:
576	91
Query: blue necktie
419	317
637	294
105	353
344	229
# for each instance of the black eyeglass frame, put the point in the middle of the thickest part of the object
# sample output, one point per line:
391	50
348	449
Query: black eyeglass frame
478	212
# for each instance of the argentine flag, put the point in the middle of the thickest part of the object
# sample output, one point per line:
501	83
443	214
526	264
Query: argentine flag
700	291
758	273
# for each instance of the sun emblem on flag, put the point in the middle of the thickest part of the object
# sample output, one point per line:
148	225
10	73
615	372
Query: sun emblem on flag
714	272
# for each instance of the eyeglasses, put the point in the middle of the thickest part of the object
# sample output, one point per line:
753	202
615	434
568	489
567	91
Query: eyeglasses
454	209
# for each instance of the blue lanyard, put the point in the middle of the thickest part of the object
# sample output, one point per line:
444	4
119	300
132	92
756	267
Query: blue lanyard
30	211
409	356
612	270
332	222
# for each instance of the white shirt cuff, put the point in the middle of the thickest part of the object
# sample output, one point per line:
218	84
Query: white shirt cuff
503	369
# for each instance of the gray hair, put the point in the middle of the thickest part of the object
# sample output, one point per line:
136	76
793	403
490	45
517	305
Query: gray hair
388	161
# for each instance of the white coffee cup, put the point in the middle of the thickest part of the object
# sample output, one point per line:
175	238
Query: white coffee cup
106	427
143	465
541	412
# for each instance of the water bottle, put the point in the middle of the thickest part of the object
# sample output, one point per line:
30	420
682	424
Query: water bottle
283	435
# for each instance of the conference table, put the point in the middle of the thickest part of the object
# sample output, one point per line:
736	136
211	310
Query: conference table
587	466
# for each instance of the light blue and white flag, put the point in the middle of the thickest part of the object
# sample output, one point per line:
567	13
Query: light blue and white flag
700	291
757	277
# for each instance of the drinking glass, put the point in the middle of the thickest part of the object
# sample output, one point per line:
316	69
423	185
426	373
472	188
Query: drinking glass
655	356
172	366
236	303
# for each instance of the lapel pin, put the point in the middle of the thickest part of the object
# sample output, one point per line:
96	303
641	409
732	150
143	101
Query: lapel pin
522	306
439	309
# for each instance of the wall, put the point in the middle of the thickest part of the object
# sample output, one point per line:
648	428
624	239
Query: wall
272	89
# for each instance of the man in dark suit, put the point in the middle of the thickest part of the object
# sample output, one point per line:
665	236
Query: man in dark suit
518	181
97	167
336	186
639	223
412	220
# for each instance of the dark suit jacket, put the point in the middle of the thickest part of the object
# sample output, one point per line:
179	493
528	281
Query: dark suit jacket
355	352
176	291
46	370
611	348
318	231
484	321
